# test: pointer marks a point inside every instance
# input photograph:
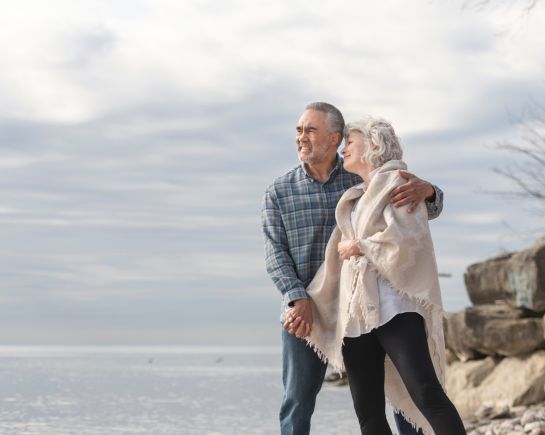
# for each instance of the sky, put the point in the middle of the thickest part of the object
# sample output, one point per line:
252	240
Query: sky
138	137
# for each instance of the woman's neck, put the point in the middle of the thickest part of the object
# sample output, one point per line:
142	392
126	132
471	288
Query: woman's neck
364	172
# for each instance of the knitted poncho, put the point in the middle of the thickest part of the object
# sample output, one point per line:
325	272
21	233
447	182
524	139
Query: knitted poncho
397	246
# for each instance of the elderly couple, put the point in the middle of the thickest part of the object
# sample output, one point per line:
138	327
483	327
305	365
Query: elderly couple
348	245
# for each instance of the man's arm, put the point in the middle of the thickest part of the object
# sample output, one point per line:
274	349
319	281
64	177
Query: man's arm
414	191
281	269
278	261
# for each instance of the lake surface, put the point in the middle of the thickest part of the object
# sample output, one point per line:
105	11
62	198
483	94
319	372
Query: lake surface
153	390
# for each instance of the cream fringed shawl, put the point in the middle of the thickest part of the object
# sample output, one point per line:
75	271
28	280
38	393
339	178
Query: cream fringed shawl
397	246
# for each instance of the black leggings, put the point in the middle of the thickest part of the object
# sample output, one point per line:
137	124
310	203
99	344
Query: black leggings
404	340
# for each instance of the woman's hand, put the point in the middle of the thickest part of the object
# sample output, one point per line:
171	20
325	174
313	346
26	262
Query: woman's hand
299	318
348	248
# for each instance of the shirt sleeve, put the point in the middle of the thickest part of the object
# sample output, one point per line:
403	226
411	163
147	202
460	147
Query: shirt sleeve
279	263
435	206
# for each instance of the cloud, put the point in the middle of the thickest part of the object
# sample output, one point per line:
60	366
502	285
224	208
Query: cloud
137	139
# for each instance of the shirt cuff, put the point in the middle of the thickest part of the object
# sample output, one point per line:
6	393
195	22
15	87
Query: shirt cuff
435	207
294	295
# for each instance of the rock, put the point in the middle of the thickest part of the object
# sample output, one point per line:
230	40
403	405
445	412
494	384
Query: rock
496	329
534	425
513	381
336	378
494	411
528	417
512	337
450	356
502	411
511	425
518	278
463	375
518	411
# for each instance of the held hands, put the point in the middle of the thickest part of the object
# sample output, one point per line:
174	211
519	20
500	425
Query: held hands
347	249
299	318
413	192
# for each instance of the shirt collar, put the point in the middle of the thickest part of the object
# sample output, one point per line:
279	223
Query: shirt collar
336	168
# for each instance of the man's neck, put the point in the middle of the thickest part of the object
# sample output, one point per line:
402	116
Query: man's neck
321	171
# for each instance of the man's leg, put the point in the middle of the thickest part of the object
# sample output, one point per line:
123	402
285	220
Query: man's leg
303	374
404	427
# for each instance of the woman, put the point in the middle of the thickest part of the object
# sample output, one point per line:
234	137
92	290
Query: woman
376	299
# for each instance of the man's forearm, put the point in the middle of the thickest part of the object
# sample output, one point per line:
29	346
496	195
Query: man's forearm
282	272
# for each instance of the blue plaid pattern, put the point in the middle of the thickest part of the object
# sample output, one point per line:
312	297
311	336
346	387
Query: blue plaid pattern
298	217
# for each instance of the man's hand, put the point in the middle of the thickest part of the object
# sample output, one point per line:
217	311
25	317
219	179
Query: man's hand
299	318
347	249
413	192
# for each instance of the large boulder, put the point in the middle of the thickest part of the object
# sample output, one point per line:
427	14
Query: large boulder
493	330
511	381
518	278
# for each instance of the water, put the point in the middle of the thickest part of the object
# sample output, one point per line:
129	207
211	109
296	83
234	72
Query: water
153	390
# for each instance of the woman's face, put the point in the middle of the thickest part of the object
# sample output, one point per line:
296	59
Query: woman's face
352	152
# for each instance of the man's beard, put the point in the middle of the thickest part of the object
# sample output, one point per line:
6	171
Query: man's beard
316	155
308	159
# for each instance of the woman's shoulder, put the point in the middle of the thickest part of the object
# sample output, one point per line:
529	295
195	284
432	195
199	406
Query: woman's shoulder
388	174
392	166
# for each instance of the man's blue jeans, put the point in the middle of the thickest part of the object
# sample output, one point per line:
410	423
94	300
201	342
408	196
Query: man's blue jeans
303	374
404	427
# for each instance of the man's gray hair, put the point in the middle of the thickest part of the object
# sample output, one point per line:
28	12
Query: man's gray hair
334	117
380	136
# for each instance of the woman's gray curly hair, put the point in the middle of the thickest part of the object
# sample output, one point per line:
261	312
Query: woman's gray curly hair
380	136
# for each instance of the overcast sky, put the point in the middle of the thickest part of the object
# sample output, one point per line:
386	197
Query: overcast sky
137	138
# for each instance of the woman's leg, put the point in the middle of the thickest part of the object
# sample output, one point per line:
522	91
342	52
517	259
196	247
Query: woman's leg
364	362
404	340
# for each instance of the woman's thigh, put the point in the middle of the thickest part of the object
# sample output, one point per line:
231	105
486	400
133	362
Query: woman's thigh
364	362
404	340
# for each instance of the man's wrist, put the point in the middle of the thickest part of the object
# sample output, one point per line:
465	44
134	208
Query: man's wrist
431	195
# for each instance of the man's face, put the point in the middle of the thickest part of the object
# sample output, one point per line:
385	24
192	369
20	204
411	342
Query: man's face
315	144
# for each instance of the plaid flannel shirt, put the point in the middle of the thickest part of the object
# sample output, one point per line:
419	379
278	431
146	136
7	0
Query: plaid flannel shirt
298	217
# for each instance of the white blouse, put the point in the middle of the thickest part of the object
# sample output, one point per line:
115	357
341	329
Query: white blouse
391	302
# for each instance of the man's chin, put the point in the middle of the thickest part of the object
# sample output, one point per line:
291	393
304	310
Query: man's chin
306	158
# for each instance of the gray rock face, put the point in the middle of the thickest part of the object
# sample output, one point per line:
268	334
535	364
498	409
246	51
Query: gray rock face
518	278
493	330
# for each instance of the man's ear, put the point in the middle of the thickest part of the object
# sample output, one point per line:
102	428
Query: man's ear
336	138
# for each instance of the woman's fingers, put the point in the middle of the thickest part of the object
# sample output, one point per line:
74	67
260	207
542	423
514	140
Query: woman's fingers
301	330
294	325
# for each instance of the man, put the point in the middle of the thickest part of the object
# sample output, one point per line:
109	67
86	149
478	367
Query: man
298	217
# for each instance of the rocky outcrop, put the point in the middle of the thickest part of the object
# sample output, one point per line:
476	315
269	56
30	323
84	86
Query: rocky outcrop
493	330
518	278
510	382
496	347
